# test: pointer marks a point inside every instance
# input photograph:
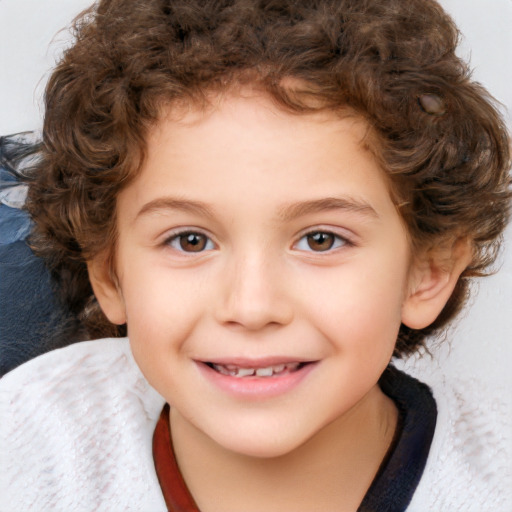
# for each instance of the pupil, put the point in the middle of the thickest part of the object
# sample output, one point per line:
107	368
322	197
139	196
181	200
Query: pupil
192	242
320	241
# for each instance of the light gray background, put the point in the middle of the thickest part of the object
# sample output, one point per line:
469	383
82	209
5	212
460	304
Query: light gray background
481	344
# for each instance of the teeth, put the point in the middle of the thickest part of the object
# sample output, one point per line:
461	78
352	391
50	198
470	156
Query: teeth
246	372
236	371
264	372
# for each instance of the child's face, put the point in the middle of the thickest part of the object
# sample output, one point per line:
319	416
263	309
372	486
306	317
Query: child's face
255	241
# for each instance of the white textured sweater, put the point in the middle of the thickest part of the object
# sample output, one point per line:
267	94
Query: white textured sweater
77	425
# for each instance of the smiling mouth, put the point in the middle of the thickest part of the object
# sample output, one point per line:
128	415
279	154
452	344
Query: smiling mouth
276	370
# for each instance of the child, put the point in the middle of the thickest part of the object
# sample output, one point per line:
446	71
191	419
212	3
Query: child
270	199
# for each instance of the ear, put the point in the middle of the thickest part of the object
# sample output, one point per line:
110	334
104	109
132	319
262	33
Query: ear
432	280
106	289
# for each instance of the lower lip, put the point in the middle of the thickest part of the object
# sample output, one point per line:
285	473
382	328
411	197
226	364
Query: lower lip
256	387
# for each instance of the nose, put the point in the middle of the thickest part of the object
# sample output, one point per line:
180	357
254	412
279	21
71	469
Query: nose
254	295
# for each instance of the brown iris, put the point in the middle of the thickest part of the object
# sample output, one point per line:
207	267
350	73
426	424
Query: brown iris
320	241
193	242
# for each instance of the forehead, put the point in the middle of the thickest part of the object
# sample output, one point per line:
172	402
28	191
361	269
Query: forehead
244	149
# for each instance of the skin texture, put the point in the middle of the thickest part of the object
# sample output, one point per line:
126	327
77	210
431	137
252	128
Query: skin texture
253	287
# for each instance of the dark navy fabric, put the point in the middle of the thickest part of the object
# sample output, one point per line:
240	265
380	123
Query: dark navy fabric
400	473
29	309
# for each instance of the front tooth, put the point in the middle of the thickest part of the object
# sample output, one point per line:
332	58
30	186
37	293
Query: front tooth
278	368
245	372
264	372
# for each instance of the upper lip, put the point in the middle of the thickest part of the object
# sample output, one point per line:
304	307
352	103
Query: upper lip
264	362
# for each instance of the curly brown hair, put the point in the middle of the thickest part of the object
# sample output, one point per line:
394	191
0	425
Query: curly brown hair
436	133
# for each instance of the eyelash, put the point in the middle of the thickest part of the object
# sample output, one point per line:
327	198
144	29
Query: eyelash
337	241
175	241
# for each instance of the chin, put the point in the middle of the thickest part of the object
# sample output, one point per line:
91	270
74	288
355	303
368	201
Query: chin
263	445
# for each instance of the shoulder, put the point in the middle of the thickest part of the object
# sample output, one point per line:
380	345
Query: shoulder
468	467
77	360
88	369
76	431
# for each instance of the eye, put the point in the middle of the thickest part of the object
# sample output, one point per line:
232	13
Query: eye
320	241
190	241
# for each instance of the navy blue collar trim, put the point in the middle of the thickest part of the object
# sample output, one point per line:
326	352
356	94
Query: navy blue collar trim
401	470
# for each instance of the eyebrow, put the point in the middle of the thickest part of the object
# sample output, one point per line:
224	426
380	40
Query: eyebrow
296	210
171	203
287	213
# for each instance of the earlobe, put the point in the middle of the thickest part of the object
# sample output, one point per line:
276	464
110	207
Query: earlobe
106	290
431	283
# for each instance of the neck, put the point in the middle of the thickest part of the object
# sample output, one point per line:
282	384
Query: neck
331	471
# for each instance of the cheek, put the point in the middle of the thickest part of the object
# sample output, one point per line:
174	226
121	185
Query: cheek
155	294
361	305
159	324
151	310
163	310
